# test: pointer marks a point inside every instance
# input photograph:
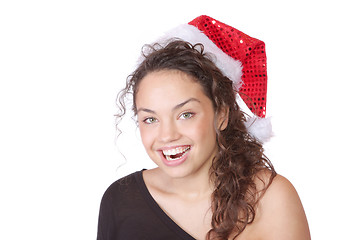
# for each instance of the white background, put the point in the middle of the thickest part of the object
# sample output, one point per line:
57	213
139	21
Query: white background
63	62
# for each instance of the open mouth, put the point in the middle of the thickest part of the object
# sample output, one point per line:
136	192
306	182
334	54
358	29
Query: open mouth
175	153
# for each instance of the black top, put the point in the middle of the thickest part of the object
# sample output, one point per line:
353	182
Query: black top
128	211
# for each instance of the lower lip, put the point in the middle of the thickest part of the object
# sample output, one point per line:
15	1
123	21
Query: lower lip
176	162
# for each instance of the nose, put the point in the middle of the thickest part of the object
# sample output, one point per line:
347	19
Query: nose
168	132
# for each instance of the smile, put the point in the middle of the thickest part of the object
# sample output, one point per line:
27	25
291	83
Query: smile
175	153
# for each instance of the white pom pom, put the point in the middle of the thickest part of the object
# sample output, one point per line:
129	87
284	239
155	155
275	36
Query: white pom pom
260	128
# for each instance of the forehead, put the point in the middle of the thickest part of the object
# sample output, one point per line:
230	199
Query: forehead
168	87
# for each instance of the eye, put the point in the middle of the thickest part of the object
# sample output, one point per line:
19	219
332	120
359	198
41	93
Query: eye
186	115
150	120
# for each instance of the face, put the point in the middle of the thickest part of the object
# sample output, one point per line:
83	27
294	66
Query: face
177	123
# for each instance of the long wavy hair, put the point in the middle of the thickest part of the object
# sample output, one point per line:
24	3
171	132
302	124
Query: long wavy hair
240	157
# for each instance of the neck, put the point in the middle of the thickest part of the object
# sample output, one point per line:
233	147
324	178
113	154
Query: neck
194	186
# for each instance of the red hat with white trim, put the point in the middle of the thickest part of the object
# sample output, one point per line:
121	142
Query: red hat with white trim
241	58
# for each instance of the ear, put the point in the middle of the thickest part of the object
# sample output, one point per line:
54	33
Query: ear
222	118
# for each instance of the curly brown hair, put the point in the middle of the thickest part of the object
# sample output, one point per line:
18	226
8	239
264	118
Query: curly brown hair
240	156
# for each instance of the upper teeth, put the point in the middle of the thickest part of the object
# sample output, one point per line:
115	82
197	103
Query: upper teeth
175	151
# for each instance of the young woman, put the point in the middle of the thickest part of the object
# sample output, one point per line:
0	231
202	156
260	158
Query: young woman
212	180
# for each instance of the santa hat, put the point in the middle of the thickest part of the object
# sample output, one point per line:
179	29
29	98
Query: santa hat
241	58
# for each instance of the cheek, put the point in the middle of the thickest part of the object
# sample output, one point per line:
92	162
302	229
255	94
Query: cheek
203	131
146	136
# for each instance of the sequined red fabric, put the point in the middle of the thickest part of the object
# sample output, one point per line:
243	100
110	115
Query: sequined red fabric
249	51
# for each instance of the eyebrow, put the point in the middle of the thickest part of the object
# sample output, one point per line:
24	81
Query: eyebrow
174	108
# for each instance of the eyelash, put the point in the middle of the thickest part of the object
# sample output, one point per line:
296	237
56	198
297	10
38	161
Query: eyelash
151	120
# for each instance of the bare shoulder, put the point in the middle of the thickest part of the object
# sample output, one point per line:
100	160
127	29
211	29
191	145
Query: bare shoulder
280	214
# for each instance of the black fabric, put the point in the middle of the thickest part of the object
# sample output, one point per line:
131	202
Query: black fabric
128	211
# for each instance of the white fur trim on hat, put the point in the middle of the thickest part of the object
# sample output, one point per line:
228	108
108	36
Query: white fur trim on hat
230	67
